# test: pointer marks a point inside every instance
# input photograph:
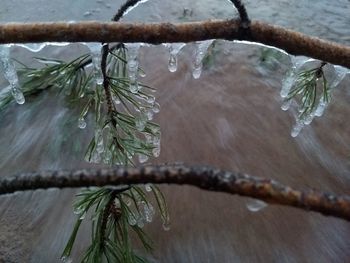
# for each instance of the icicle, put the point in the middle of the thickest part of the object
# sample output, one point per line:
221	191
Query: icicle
81	123
96	53
256	205
338	74
11	74
200	53
133	65
174	50
297	128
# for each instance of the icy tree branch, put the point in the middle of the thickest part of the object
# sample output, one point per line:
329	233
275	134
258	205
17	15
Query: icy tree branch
207	178
292	42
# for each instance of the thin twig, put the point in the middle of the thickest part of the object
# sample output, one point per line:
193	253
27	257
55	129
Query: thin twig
155	33
201	176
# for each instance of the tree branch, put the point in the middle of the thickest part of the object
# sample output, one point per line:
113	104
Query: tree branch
292	42
203	177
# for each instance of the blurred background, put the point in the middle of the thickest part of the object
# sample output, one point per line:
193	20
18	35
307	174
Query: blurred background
230	118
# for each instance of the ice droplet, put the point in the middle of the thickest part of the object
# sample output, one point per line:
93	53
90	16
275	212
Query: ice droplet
148	187
81	123
256	205
96	53
143	158
201	49
151	99
156	107
174	50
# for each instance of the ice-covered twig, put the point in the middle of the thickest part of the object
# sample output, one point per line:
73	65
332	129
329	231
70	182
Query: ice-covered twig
204	177
155	33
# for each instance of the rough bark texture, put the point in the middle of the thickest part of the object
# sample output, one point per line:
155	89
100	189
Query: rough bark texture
203	177
292	42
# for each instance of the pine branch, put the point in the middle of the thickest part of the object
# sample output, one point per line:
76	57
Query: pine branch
155	33
203	177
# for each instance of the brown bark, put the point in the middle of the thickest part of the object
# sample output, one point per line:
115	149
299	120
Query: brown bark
203	177
292	42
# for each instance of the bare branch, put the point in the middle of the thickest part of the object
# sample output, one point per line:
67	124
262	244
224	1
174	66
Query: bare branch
203	177
292	42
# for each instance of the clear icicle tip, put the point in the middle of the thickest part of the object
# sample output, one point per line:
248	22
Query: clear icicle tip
174	50
256	205
297	128
286	105
200	53
18	95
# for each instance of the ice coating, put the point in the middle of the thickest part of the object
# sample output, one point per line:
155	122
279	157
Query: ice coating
10	74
